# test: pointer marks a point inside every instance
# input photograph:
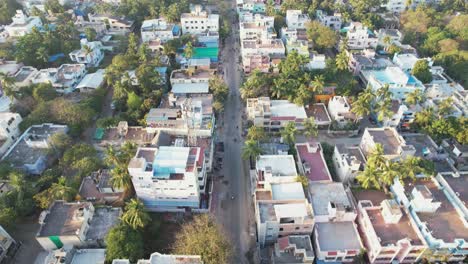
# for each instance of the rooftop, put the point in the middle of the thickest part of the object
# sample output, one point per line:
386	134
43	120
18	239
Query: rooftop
187	88
92	80
63	219
423	144
104	218
324	193
445	223
275	211
353	153
187	75
330	236
387	137
91	185
88	256
9	67
311	156
458	184
288	244
319	112
287	191
138	135
283	108
279	165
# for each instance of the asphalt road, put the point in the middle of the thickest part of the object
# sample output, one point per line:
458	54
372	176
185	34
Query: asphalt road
236	212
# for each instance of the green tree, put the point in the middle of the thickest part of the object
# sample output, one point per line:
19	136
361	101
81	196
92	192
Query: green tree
303	180
342	61
44	92
135	214
445	107
289	132
188	50
7	11
256	85
8	217
368	178
121	179
321	36
363	104
54	6
59	142
8	85
90	33
415	97
310	127
251	150
421	70
124	242
134	101
202	236
57	191
256	133
318	84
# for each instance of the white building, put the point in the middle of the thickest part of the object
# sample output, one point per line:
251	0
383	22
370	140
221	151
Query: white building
199	21
164	259
9	130
334	22
275	169
169	178
90	54
296	20
360	37
395	6
340	111
115	25
331	202
22	24
274	114
293	249
186	81
64	78
7	244
348	162
92	81
407	61
256	27
393	144
394	37
159	29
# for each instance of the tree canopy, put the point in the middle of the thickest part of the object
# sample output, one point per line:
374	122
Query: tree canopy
124	242
321	36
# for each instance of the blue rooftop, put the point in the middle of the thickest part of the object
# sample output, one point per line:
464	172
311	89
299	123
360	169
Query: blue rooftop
170	160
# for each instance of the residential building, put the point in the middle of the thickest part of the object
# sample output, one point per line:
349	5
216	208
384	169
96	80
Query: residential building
22	24
293	249
407	61
295	19
98	25
9	130
336	241
7	244
31	151
437	206
190	81
317	61
97	188
360	37
275	148
366	60
394	145
273	48
75	224
300	46
274	114
334	21
455	111
184	116
401	115
293	34
72	255
169	178
90	54
64	79
23	77
400	83
395	6
389	233
274	169
340	111
312	163
158	258
257	62
115	25
159	29
458	154
92	81
331	202
9	68
118	135
389	36
256	26
348	162
202	64
319	112
199	21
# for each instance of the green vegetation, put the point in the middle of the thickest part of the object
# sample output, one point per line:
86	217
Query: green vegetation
220	92
117	160
7	10
17	202
251	150
322	37
422	71
135	214
439	127
124	242
202	236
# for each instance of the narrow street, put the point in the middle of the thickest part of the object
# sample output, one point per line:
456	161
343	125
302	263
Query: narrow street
236	214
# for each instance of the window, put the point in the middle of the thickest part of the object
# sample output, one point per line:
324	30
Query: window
281	229
297	228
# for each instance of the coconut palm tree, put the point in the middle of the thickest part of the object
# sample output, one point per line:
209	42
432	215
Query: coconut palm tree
7	83
376	157
360	107
310	127
387	41
121	179
445	107
251	150
60	190
369	178
289	132
341	61
135	214
188	50
278	88
414	97
390	171
425	117
88	51
383	109
317	84
111	156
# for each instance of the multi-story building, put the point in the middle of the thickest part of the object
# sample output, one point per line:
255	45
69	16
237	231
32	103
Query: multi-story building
251	6
256	27
293	249
273	48
407	61
165	259
97	188
336	241
81	25
92	81
257	62
31	151
331	202
90	54
183	116
389	36
437	206
274	114
360	37
274	169
340	111
395	6
393	144
334	22
169	178
115	25
199	21
312	162
7	244
389	233
190	81
295	19
159	29
458	155
22	24
366	60
75	224
348	162
400	83
9	130
64	79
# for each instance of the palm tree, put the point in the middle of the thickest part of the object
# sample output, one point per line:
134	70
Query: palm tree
310	127
60	190
88	51
278	89
7	84
387	41
383	109
111	156
188	51
414	97
251	150
121	179
289	132
318	84
425	117
445	107
376	157
412	166
369	177
135	214
341	61
390	171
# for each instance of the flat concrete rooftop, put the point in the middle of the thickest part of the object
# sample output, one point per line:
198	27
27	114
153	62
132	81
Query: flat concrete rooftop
321	194
333	236
61	220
